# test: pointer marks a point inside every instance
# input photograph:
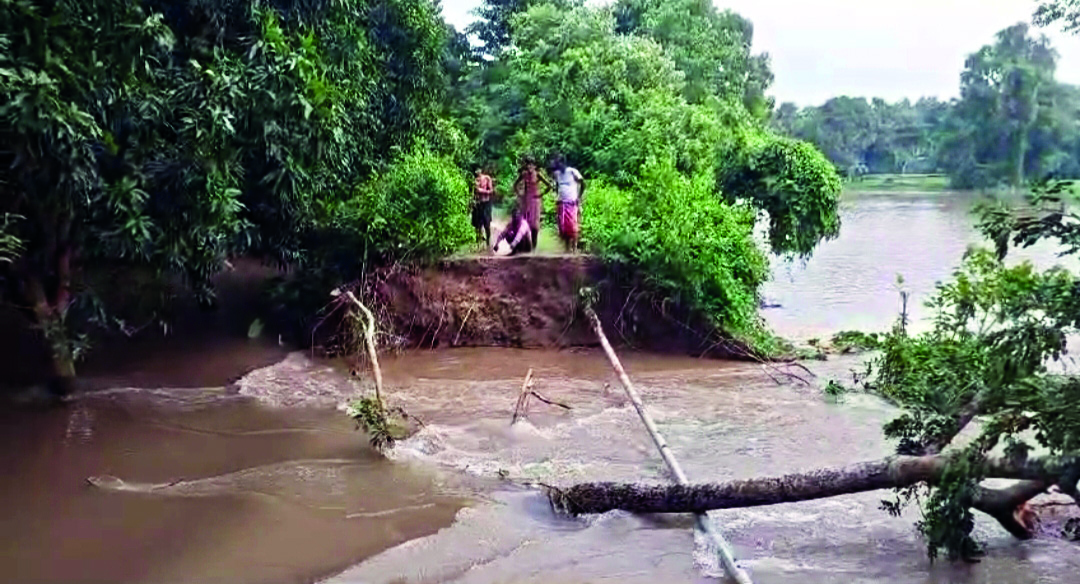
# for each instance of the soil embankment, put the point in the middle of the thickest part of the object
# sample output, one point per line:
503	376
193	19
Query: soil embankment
530	301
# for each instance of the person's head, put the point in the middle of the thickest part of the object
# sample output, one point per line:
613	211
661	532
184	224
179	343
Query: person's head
515	215
528	163
558	162
478	169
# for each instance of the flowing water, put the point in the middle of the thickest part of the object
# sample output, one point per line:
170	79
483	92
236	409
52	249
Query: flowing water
851	282
206	463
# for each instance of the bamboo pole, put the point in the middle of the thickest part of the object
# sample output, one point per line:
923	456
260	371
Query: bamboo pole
727	557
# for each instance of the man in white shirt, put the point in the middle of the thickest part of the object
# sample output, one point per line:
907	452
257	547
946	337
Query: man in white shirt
570	190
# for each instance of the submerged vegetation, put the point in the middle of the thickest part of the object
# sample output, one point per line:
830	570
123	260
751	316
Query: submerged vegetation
855	341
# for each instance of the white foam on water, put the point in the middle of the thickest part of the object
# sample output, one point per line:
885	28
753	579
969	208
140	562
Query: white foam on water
297	380
169	398
707	555
388	512
593	447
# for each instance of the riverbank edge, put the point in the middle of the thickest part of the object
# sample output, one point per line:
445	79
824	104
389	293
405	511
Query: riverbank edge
528	302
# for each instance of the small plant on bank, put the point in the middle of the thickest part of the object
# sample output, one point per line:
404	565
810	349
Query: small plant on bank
371	417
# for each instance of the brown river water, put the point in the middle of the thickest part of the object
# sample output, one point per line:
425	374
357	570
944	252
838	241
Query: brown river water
230	461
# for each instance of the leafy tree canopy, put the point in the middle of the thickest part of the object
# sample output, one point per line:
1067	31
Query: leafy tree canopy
164	137
1063	12
167	136
622	96
711	48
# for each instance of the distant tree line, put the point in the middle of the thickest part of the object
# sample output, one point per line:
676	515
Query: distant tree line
1012	124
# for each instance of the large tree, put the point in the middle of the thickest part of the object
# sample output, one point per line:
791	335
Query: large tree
981	372
493	25
979	395
875	136
161	137
1063	12
712	48
674	175
1005	91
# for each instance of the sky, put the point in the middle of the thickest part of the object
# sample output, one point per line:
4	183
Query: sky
871	48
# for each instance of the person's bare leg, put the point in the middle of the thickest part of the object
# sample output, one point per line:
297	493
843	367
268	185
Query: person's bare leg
487	234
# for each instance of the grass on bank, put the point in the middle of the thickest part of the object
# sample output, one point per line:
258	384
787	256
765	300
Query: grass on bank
932	183
923	183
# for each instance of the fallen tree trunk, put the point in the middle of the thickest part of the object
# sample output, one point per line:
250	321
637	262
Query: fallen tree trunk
886	473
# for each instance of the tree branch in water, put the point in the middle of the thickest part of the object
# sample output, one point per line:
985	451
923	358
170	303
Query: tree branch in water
887	473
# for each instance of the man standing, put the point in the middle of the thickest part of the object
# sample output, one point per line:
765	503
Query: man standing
483	189
571	191
527	188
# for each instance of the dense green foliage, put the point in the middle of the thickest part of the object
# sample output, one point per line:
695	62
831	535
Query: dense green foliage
710	47
862	137
414	211
1013	122
689	246
493	28
650	101
999	127
854	341
997	329
1065	12
332	137
793	183
168	136
606	101
999	333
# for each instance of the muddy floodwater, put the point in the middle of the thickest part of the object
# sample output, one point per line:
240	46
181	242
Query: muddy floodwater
231	461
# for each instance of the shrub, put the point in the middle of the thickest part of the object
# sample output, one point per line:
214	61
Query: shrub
690	246
415	211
